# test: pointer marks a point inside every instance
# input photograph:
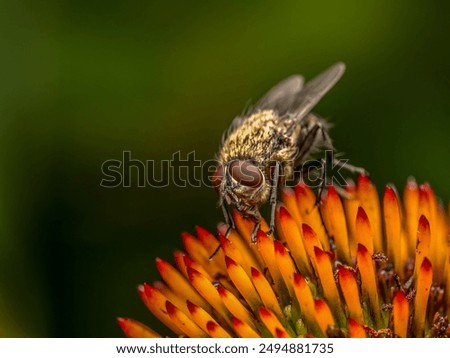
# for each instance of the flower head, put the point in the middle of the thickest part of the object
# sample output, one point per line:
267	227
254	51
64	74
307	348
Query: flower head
355	266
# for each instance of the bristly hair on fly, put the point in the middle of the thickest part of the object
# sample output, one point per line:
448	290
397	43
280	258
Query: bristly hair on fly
271	143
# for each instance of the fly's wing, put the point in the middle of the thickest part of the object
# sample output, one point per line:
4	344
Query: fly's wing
315	89
283	96
280	98
290	96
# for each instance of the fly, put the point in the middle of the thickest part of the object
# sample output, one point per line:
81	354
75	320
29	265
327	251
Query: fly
265	147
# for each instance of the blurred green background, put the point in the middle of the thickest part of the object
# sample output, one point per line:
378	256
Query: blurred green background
82	81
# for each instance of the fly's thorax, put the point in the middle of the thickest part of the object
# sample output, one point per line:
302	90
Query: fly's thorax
258	137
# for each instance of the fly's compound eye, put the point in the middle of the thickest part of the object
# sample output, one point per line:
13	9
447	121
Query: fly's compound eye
217	177
246	173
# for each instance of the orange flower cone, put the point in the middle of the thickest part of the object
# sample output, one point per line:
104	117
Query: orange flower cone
359	266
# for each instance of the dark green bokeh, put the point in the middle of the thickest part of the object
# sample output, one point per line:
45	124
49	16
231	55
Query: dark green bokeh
82	81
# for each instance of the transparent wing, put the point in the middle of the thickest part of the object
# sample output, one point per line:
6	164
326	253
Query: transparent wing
282	96
290	96
315	89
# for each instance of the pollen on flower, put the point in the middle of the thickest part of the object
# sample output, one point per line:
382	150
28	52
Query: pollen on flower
351	266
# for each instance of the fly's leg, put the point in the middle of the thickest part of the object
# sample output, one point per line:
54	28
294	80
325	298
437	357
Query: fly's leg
229	222
318	165
349	167
306	167
323	179
216	250
228	219
330	159
330	155
255	230
307	142
273	197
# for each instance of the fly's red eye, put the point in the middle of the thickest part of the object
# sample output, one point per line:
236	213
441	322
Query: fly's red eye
217	177
246	173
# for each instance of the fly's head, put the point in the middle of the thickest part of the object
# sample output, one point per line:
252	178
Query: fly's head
242	184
